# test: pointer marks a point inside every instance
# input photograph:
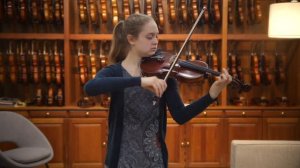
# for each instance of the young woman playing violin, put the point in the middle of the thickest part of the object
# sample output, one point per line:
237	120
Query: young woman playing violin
137	113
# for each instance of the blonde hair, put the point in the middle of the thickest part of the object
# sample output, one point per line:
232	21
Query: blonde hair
131	26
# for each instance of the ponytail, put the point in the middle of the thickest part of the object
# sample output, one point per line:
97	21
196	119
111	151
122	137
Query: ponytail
119	44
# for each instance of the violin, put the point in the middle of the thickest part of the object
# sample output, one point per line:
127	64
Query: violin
9	8
22	10
50	97
184	70
126	6
136	6
12	64
2	69
59	97
34	64
115	13
1	11
93	14
57	11
82	12
240	12
35	11
255	75
39	97
230	15
22	65
184	12
160	13
258	11
280	76
92	59
103	11
172	11
148	7
217	12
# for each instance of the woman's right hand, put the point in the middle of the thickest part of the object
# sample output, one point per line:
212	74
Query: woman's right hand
154	84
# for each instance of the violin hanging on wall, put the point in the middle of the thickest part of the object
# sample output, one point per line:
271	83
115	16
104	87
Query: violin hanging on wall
2	68
280	75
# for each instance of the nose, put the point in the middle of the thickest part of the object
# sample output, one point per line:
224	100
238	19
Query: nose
155	41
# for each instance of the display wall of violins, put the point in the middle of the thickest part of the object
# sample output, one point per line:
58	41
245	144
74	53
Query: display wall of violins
32	15
89	57
247	16
101	16
36	68
264	68
264	65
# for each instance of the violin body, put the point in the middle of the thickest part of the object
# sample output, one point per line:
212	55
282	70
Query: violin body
159	65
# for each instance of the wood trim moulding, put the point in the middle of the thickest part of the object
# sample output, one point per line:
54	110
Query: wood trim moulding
32	36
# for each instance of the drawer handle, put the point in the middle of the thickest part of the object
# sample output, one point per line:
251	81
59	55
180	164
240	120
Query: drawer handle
243	113
47	114
104	144
282	113
182	144
187	143
205	113
87	114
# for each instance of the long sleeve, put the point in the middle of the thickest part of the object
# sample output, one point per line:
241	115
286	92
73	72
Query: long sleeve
109	80
181	113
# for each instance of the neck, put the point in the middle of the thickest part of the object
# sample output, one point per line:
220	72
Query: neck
132	64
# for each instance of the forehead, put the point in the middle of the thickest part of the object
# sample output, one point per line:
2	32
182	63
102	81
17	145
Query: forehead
150	28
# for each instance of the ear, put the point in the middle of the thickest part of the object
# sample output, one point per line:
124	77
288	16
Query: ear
131	39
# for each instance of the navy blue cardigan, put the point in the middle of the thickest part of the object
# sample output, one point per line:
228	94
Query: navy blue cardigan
110	80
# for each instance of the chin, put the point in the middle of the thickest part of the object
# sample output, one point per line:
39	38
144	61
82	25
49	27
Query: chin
152	52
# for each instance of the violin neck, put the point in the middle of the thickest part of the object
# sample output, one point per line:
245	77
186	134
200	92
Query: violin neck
187	64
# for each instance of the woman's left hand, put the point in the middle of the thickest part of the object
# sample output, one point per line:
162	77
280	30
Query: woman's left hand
222	81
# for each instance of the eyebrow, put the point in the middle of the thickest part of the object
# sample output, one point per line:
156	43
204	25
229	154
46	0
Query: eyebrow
152	33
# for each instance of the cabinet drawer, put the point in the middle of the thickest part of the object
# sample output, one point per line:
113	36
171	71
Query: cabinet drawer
243	113
51	114
281	113
205	113
87	113
211	113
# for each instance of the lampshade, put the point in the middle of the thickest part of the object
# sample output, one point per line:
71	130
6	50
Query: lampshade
284	20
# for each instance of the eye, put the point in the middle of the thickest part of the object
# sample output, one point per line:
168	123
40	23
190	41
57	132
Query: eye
151	36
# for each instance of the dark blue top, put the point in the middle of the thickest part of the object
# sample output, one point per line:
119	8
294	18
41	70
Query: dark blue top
110	80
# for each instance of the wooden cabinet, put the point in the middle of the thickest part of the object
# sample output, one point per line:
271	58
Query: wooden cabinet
87	140
198	143
175	140
204	142
281	125
241	125
52	124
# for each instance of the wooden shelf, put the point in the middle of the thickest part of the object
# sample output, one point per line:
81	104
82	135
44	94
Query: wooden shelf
30	36
182	37
248	37
90	36
162	37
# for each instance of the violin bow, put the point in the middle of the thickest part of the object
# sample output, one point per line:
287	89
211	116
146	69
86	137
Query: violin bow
186	40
